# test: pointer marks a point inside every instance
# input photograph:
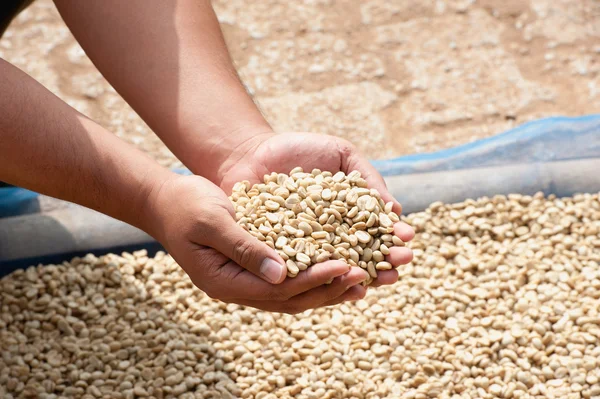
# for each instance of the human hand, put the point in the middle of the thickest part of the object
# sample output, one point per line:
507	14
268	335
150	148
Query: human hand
282	152
194	220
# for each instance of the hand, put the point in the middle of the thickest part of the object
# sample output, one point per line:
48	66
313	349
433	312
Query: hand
194	220
282	152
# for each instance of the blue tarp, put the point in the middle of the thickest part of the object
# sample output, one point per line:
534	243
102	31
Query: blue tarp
544	140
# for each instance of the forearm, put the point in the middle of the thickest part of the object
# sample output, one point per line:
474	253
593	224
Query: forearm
168	59
48	147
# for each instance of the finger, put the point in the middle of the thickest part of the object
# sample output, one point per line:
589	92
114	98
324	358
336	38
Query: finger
223	279
399	256
326	293
313	298
353	294
245	250
404	231
385	277
255	289
313	277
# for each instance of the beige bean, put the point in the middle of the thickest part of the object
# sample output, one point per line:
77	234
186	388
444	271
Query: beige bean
353	255
383	265
384	249
371	220
367	254
384	220
388	207
352	212
319	234
289	251
323	256
315	226
272	205
305	227
363	236
302	257
397	241
281	242
292	267
302	266
371	269
359	226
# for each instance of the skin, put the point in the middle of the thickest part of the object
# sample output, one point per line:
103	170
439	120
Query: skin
170	63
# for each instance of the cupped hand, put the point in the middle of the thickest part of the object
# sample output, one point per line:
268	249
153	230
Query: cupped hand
282	152
194	220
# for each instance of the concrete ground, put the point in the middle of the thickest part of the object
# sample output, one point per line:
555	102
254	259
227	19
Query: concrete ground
393	76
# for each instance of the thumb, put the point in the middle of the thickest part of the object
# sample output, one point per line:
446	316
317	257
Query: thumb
237	244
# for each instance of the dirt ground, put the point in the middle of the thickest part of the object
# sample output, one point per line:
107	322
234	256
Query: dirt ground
393	76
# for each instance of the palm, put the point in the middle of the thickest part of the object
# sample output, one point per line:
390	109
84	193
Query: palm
283	152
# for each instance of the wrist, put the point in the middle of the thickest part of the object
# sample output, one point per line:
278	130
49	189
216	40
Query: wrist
227	148
148	216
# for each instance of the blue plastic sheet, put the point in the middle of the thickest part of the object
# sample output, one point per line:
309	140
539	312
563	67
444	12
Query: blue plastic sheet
544	140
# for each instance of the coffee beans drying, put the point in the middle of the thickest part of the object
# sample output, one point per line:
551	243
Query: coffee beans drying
502	300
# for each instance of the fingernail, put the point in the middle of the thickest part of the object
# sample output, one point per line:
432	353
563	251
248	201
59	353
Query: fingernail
271	270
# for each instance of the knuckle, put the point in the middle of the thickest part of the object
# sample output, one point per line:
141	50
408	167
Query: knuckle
199	229
207	274
210	262
345	146
244	252
211	219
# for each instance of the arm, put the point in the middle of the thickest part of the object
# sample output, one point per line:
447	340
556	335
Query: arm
48	147
169	61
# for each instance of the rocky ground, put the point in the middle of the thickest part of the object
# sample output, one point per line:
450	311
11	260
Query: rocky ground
394	77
